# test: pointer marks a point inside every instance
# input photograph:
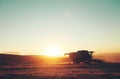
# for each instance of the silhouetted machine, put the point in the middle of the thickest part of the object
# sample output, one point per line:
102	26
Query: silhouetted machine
80	56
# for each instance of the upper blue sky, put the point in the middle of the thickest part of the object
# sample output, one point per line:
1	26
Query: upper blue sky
33	25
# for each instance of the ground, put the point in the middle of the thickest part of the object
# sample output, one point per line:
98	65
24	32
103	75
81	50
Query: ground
61	71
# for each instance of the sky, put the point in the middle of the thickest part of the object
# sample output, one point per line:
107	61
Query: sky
31	26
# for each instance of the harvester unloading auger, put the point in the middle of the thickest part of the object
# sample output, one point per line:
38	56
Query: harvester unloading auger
82	56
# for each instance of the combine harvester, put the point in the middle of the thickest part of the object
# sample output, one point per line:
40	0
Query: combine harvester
82	56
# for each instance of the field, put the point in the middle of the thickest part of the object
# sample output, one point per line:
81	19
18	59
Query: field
59	71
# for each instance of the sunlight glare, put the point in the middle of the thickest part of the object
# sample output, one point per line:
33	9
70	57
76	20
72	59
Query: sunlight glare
54	51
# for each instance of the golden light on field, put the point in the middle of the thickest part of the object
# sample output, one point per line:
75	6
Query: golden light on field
54	51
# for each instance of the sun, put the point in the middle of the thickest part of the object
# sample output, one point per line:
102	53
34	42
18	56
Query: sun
54	51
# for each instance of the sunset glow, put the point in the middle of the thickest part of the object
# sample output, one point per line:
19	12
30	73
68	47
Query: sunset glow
54	51
29	26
